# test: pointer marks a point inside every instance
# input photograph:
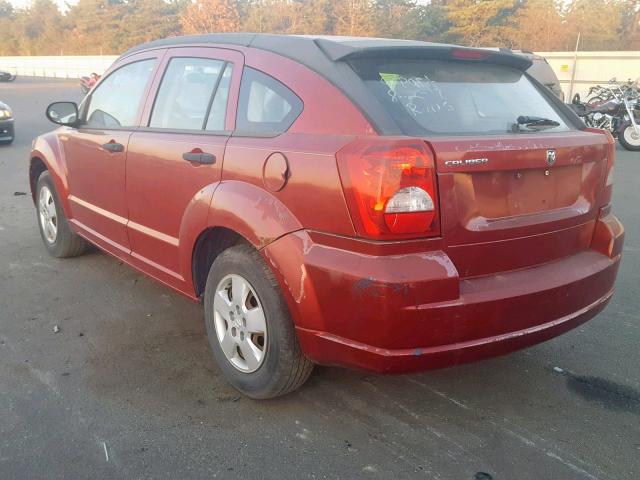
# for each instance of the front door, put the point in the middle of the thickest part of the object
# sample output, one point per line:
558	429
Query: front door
96	152
175	161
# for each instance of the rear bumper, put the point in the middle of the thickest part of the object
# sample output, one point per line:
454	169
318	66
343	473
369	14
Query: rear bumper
401	313
341	351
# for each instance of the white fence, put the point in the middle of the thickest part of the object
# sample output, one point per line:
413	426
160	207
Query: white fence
577	73
57	67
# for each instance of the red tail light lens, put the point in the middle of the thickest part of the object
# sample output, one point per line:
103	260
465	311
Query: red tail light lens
611	160
390	188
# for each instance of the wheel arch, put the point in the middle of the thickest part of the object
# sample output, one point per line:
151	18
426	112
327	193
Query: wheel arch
36	167
239	212
209	244
47	155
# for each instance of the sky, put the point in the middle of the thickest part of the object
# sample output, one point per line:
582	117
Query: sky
26	3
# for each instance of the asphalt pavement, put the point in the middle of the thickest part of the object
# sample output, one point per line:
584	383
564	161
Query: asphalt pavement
128	388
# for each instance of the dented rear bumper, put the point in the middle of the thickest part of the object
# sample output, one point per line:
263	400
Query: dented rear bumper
408	312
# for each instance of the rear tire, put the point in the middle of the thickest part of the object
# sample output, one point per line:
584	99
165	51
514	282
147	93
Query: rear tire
629	139
240	288
55	231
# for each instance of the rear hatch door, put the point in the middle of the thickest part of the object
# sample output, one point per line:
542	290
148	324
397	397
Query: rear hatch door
518	181
516	201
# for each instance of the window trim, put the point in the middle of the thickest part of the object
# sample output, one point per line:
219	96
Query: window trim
212	98
86	102
214	133
225	63
243	108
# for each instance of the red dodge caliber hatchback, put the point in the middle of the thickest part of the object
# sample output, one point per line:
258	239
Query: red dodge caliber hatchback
380	204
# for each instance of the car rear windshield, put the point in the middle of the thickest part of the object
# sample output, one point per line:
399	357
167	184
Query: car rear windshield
453	97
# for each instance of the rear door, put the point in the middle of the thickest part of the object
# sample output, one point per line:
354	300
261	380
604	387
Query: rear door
177	155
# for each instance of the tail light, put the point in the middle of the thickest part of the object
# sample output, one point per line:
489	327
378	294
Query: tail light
390	188
611	159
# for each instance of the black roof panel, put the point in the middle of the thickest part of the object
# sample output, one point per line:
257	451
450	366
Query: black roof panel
309	47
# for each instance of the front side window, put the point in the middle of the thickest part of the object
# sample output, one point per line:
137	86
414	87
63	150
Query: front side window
193	95
116	101
265	104
451	97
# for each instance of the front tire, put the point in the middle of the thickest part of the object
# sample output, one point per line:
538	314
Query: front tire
249	327
55	231
629	139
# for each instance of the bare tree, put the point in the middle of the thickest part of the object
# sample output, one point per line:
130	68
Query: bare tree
353	17
206	16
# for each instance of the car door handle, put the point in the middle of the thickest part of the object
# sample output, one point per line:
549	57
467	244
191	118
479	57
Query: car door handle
113	147
199	157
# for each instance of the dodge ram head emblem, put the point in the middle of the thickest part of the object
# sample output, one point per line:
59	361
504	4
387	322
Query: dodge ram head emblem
551	157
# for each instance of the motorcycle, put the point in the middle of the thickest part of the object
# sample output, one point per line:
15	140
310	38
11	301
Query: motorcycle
87	83
599	93
619	114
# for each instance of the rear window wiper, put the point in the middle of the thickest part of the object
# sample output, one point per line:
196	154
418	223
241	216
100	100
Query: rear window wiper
533	123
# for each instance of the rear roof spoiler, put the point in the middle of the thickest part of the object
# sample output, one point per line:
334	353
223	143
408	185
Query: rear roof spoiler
345	51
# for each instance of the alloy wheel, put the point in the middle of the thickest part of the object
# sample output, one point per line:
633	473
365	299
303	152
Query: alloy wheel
48	215
240	323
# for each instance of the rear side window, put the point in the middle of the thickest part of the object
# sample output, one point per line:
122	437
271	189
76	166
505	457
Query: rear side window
116	101
448	97
265	105
190	97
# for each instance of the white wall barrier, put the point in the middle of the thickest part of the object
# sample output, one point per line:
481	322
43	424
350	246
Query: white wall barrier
57	67
577	73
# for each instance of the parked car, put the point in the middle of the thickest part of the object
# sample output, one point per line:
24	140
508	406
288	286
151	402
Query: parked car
540	70
386	205
7	130
6	76
87	83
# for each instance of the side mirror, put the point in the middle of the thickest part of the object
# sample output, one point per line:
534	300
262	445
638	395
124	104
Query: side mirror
63	113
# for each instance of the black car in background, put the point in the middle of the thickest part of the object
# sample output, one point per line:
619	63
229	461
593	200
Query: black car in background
539	69
542	71
6	124
6	76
